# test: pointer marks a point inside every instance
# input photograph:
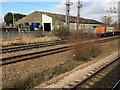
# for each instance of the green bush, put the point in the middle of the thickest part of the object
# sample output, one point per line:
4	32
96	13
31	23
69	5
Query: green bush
61	32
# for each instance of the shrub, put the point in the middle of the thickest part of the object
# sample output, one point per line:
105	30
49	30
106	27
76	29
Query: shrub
61	32
81	50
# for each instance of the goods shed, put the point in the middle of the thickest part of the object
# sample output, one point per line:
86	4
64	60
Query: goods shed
49	21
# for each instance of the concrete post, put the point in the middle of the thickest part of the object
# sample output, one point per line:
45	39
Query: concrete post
78	14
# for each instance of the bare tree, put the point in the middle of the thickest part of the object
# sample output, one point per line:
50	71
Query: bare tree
107	19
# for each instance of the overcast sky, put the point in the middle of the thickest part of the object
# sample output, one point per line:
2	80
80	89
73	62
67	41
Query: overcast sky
94	9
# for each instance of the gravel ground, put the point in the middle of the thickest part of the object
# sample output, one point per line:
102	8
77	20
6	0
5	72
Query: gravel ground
80	74
20	71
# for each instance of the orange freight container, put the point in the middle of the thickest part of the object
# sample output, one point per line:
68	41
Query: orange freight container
100	30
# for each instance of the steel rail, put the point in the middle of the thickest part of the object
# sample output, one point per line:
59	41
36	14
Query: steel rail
116	86
93	74
46	44
28	56
31	46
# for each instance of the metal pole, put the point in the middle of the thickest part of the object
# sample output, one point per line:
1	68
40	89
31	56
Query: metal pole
119	15
13	19
105	18
67	22
78	14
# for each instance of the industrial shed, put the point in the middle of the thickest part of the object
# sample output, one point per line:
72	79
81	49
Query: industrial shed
50	21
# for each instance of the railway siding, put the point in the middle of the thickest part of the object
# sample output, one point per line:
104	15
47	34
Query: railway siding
80	75
52	45
30	46
46	44
7	55
32	55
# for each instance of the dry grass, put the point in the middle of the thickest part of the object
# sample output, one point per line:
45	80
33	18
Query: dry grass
81	50
28	40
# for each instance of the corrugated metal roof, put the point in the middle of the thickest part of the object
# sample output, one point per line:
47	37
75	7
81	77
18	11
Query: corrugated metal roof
61	17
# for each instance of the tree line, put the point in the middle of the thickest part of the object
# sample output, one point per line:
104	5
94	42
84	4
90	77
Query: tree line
8	18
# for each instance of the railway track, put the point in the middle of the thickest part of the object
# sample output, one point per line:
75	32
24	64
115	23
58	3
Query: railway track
32	55
30	46
101	77
46	44
28	56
